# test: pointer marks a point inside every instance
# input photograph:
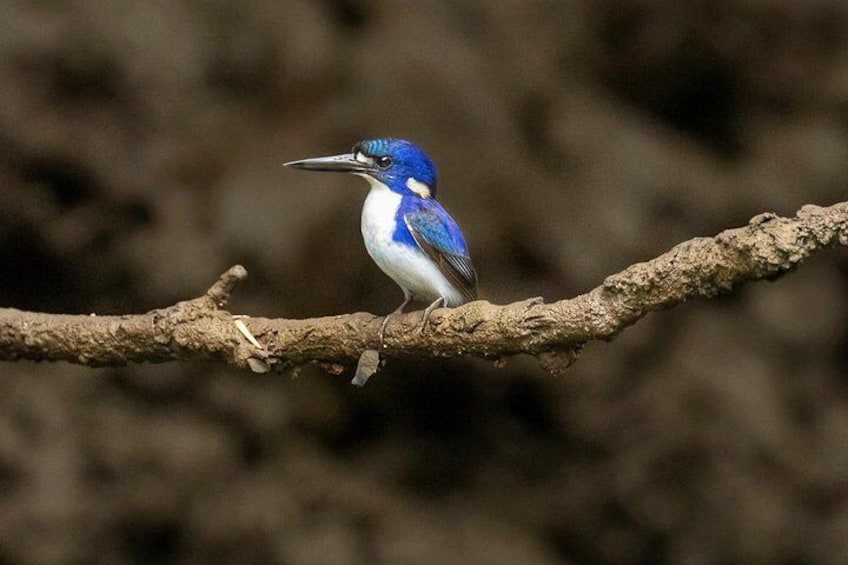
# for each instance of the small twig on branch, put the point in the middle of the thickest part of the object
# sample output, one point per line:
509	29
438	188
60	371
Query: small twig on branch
223	288
703	267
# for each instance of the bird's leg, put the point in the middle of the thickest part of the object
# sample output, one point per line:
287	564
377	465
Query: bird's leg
429	310
407	297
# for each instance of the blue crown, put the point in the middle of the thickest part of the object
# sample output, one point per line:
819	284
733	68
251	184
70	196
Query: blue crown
408	160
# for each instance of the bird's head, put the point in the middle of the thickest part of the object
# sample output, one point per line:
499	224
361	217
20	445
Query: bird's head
400	165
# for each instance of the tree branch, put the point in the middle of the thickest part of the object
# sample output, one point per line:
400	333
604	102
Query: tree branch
200	328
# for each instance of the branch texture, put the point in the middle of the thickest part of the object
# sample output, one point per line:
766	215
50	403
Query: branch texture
200	328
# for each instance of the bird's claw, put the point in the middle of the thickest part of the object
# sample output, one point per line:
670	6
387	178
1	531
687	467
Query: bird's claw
422	325
399	310
381	335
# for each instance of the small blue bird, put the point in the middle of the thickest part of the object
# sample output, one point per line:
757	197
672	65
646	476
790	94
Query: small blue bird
407	232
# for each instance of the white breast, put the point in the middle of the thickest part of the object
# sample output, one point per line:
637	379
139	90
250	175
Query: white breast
409	267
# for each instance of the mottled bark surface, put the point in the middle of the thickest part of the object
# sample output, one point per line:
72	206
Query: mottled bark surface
700	268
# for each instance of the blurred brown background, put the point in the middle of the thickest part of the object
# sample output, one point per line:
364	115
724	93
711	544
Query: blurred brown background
140	153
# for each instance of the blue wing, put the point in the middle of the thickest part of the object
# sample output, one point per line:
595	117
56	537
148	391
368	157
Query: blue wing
437	234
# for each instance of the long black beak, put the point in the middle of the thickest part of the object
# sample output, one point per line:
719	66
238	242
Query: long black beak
345	163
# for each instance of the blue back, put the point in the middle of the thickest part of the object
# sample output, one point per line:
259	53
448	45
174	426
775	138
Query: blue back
432	222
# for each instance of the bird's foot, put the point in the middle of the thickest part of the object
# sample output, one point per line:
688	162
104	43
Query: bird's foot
398	310
427	311
382	333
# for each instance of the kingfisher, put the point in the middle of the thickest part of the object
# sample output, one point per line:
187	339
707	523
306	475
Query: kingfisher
407	232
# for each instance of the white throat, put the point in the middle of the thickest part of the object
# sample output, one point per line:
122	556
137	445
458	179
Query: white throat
378	215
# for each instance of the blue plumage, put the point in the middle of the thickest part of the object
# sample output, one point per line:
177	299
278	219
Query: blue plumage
407	232
408	161
431	229
435	224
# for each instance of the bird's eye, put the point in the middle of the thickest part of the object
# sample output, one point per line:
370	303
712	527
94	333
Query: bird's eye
383	162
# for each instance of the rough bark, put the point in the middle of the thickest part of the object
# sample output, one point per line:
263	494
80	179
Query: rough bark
201	328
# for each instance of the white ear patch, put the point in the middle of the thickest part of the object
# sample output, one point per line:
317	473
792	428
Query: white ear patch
418	187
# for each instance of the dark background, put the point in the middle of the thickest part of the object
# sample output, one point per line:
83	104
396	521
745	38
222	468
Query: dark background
140	152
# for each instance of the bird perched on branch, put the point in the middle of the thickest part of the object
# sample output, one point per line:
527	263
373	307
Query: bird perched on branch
407	232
